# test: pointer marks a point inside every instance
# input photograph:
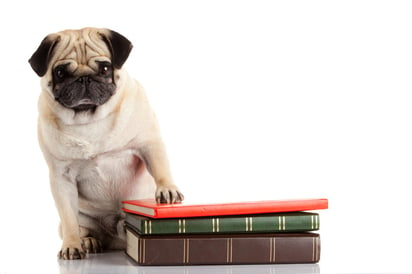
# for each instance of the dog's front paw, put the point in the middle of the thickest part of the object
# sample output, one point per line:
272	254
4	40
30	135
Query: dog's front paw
169	194
71	253
91	245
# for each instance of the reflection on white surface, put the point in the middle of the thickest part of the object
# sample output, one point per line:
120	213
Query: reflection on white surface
118	262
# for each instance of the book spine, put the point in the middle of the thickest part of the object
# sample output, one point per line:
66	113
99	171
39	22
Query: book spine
293	222
227	249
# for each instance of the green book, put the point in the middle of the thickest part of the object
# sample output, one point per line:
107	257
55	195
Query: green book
261	223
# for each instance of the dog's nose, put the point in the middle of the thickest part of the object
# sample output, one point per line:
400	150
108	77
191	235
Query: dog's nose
84	79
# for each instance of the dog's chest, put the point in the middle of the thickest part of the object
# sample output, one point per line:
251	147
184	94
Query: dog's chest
87	142
106	179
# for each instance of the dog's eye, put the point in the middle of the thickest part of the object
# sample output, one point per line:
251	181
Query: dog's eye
105	69
60	72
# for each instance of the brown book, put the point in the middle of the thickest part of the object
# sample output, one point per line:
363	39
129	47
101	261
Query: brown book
273	248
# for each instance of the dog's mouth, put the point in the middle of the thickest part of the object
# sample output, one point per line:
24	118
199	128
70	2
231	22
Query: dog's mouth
81	105
84	107
85	101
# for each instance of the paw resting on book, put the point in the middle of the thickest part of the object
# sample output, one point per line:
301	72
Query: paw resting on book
169	194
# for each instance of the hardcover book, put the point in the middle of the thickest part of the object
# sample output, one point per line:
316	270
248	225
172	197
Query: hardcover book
271	222
272	248
151	209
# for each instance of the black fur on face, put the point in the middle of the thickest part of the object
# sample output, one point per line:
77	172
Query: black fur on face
83	92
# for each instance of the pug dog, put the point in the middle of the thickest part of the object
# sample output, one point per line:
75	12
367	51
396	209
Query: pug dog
99	137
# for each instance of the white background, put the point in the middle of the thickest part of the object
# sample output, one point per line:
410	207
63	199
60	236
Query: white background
256	100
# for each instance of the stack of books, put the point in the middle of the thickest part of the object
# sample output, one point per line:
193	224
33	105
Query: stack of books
262	232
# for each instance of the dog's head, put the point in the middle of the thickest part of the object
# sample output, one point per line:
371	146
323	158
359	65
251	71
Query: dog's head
79	66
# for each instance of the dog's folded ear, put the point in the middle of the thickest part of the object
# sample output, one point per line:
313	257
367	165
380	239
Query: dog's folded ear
39	61
119	47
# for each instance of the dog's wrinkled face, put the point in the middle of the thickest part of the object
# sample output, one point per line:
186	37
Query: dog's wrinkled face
83	89
80	66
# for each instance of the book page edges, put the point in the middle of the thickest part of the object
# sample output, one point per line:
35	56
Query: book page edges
139	209
132	242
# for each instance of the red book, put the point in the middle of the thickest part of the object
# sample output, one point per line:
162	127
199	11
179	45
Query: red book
152	209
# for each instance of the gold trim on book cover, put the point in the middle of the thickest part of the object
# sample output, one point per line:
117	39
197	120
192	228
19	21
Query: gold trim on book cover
313	249
282	223
148	227
215	225
315	222
249	224
186	250
141	250
229	250
182	225
272	252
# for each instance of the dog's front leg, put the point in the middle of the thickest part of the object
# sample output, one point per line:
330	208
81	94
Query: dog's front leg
154	156
65	195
